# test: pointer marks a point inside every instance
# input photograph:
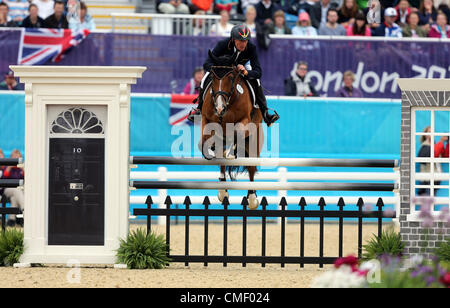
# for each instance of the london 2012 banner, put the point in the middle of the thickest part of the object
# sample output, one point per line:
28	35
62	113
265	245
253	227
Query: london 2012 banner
171	60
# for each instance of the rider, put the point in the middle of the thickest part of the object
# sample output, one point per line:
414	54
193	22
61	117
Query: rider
238	45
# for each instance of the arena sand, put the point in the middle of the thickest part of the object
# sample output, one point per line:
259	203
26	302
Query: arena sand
215	275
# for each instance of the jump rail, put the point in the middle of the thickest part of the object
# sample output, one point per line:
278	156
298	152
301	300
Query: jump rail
9	183
264	186
274	162
11	161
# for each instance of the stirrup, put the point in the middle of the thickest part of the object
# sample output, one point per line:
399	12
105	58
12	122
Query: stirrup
272	118
194	112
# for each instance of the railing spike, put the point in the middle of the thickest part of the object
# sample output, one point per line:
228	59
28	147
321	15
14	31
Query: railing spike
264	202
206	201
149	200
168	201
244	201
187	201
322	201
283	202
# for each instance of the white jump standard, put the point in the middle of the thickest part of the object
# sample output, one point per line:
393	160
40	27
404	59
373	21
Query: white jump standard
77	123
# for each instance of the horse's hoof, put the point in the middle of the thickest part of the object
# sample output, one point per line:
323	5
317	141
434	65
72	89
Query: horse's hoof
223	194
211	154
253	202
228	154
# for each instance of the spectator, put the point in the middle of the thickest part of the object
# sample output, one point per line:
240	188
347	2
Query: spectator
439	149
223	27
17	10
403	11
33	20
348	90
250	17
362	4
264	12
86	21
57	20
14	195
246	3
318	12
303	27
298	84
374	13
45	7
440	29
205	5
173	7
348	12
444	8
227	5
197	25
10	83
425	151
415	5
2	155
279	25
5	21
389	28
332	27
359	27
293	7
427	13
193	84
2	168
412	29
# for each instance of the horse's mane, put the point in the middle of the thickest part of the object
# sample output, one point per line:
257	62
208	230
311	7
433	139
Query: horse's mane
221	71
222	65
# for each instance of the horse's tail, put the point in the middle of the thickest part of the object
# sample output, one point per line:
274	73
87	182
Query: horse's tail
234	171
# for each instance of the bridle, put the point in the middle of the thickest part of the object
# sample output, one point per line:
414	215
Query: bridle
227	95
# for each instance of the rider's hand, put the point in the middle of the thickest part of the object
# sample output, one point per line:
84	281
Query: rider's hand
242	69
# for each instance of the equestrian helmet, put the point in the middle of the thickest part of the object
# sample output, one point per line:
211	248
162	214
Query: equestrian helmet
240	33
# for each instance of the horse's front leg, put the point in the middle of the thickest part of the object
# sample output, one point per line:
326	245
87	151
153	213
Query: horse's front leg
253	201
205	145
223	193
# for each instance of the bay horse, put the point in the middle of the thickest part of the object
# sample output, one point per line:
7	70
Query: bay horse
231	126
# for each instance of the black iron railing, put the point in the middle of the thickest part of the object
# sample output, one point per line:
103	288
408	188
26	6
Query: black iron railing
263	213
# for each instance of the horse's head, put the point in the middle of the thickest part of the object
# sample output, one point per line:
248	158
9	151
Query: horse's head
224	79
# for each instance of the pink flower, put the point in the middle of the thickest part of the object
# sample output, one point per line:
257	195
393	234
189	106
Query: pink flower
445	280
349	260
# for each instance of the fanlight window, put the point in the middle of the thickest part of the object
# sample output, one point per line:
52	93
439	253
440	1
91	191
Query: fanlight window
77	121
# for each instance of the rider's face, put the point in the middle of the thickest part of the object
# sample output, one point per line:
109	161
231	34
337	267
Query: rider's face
240	45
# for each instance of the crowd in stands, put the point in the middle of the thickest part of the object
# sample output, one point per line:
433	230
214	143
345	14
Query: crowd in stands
388	18
43	14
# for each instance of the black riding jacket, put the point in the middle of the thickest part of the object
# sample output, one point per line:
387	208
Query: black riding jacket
226	48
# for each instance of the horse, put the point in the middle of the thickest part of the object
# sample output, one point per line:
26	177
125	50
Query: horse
231	126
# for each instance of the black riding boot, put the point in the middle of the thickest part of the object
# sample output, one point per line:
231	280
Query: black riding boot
262	103
197	111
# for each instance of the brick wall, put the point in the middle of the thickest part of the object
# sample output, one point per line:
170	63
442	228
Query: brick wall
417	238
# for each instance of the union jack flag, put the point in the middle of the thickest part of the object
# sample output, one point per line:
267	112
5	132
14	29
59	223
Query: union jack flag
38	46
180	107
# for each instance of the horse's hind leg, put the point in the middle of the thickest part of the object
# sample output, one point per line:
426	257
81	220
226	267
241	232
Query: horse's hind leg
253	201
222	178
